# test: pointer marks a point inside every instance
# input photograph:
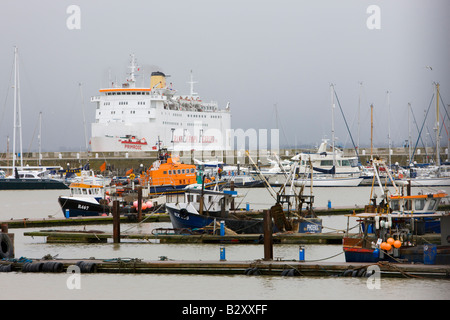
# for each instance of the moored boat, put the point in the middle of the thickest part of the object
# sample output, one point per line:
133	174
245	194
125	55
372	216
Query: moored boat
393	229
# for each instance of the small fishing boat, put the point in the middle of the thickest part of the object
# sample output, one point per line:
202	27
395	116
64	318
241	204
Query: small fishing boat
84	200
392	230
201	208
393	238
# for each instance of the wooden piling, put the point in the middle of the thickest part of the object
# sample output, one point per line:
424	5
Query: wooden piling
116	222
268	241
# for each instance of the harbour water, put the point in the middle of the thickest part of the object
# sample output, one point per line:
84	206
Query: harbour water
41	204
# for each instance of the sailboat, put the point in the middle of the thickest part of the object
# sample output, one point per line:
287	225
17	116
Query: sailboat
25	177
332	169
437	174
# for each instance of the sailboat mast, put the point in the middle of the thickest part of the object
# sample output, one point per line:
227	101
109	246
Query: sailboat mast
40	138
409	134
17	113
371	132
389	129
84	117
438	159
332	124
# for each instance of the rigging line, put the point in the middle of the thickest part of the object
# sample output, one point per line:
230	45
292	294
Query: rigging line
443	120
7	93
34	134
417	127
420	133
345	120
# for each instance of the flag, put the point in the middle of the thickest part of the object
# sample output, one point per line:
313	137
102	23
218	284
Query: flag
103	167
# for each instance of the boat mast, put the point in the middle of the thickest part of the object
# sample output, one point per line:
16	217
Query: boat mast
39	138
84	119
409	133
359	112
17	113
332	125
389	130
371	132
438	160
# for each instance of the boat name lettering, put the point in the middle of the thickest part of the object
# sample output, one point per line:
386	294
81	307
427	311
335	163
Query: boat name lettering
133	146
191	139
177	214
83	207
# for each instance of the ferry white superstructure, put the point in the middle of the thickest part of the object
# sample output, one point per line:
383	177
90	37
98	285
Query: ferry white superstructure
128	118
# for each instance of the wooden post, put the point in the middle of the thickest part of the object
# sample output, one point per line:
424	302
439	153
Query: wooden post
139	199
268	242
116	222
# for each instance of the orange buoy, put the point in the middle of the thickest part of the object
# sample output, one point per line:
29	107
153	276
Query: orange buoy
388	247
397	244
383	246
390	241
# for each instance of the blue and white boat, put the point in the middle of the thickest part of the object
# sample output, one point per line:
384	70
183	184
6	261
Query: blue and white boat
200	208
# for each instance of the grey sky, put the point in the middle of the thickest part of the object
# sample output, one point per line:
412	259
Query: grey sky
253	54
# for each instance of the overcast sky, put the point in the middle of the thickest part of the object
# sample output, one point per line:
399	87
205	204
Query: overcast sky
253	54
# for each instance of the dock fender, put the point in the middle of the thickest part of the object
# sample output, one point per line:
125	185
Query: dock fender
6	246
347	273
252	272
361	272
6	268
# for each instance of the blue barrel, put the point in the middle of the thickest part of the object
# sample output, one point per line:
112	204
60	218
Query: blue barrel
301	253
247	206
329	204
429	254
222	254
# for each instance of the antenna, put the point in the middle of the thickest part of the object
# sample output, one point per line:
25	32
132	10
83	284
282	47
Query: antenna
132	67
192	85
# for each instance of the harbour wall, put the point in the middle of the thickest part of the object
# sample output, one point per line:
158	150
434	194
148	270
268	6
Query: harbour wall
120	162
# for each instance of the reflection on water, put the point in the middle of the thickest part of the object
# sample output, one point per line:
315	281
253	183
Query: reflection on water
41	204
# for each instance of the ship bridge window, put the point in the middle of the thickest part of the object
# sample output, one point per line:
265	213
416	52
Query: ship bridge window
192	170
326	162
182	171
419	204
432	204
395	205
164	172
179	171
170	171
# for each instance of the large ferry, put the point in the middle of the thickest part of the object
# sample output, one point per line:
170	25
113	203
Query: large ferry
129	118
